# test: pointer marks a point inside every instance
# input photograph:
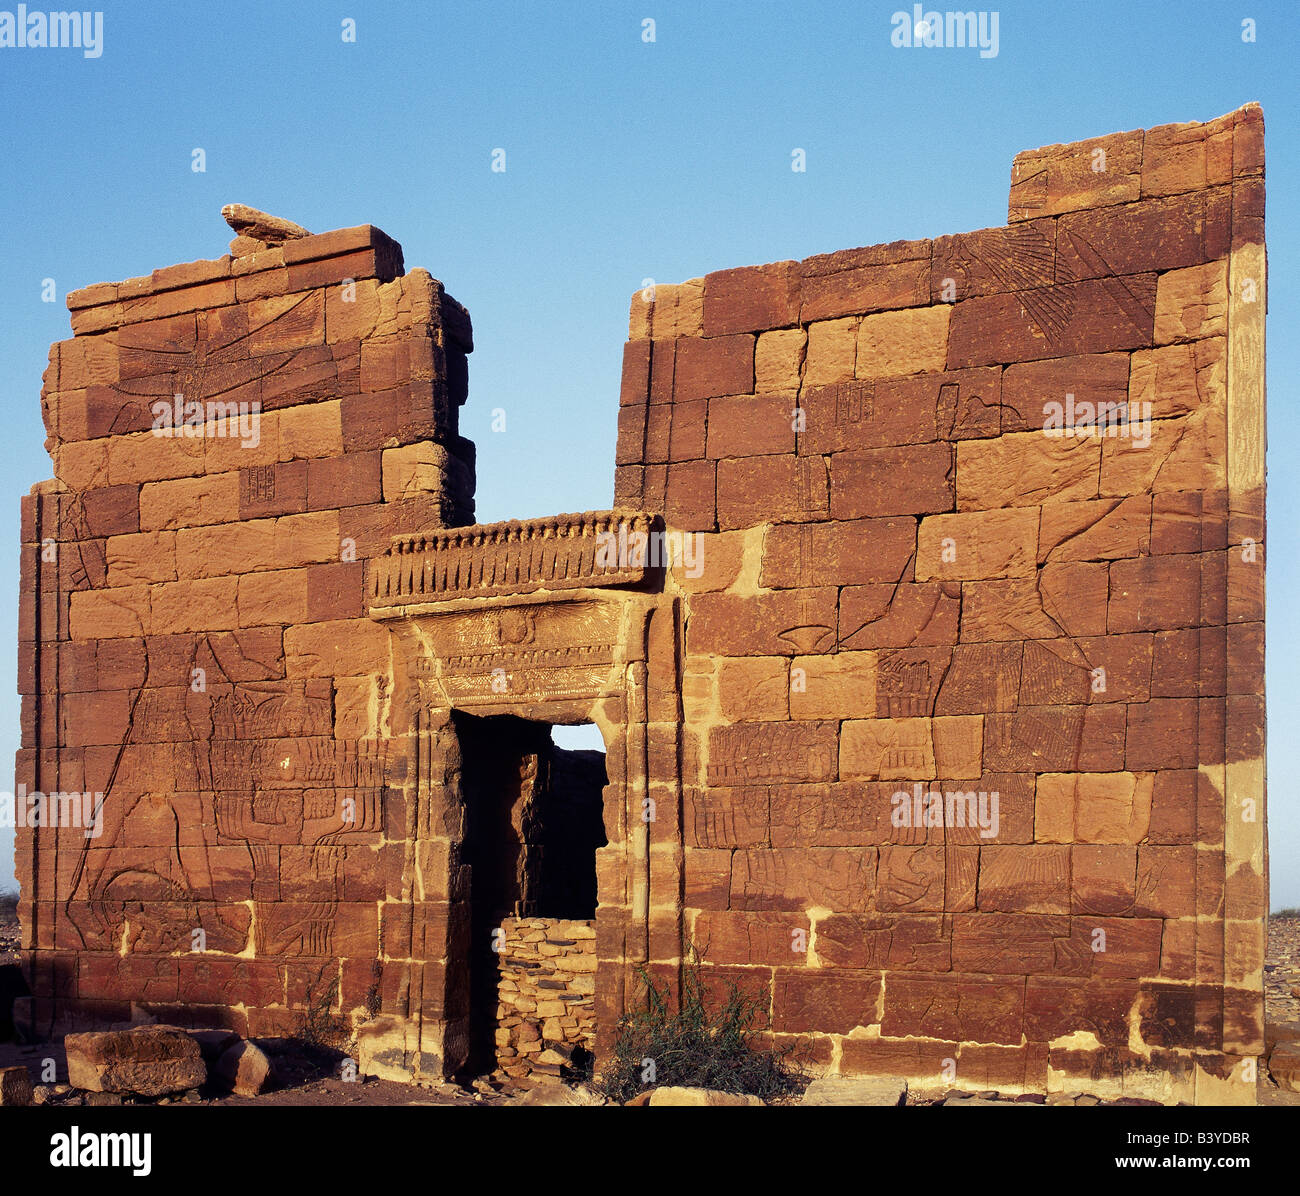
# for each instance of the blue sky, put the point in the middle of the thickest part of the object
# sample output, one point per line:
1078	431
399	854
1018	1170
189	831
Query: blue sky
625	160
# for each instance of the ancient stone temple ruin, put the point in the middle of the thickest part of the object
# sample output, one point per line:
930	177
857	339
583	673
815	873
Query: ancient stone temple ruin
924	637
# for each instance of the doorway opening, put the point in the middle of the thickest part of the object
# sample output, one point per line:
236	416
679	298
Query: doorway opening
534	818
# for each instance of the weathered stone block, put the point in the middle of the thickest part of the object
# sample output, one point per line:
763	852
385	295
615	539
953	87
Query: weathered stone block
977	545
892	343
722	365
1093	808
146	1061
852	551
1065	178
1192	303
778	361
831	353
751	299
771	489
1063	320
899	481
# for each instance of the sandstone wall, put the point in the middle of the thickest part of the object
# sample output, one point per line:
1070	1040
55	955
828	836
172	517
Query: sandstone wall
194	641
907	584
257	648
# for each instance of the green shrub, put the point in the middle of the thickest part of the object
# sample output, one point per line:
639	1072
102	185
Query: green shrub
694	1046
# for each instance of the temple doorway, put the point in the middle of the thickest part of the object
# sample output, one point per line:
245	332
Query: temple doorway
533	822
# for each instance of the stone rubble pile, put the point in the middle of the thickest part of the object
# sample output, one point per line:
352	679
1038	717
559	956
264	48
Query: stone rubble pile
546	995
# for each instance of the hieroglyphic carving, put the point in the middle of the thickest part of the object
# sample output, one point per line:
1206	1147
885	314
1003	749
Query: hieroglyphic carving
295	928
1041	739
729	817
526	651
846	814
1017	258
808	635
961	412
854	401
820	876
206	360
911	878
1047	677
256	485
814	488
1134	303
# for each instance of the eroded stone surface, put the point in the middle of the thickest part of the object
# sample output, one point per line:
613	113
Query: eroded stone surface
255	225
924	638
244	1068
845	1090
146	1061
699	1096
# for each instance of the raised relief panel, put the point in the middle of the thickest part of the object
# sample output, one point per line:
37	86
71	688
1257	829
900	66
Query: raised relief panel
546	650
749	753
728	817
599	548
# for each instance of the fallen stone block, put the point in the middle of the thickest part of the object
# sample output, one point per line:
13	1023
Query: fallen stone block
981	1101
145	1061
856	1090
244	1068
261	226
699	1096
560	1094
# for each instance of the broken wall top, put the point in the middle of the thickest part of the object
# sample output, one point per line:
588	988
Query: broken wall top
1159	164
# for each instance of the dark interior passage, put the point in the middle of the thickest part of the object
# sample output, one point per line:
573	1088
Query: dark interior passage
533	822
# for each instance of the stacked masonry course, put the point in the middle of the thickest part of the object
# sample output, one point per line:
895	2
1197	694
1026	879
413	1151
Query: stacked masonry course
830	427
905	585
546	994
197	647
